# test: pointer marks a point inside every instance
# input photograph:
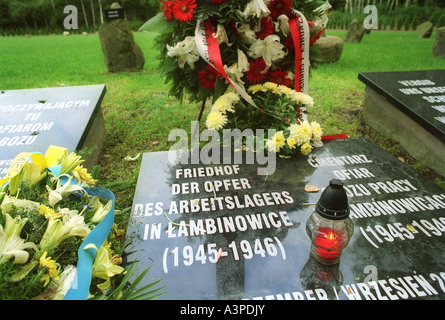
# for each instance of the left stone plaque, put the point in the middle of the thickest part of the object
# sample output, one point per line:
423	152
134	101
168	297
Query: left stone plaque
33	119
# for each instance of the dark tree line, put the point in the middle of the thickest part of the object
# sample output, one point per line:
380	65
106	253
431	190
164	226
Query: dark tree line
49	14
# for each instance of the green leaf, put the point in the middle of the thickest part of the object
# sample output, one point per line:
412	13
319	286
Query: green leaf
156	24
129	293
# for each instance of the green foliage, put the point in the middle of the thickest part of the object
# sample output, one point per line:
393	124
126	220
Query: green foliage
402	18
127	289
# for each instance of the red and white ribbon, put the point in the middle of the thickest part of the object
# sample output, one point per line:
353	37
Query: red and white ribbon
208	49
300	33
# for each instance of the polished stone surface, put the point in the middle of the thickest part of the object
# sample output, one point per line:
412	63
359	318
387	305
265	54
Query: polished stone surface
33	119
418	94
265	251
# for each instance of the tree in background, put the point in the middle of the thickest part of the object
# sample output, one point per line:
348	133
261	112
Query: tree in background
393	14
48	14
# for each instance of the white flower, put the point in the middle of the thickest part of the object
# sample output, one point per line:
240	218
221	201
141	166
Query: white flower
101	211
234	73
256	7
270	49
221	35
275	143
184	51
283	24
56	195
246	32
66	278
323	9
72	224
11	245
243	63
12	202
302	133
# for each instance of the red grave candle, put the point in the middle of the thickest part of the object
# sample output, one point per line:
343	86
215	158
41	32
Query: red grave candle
329	227
328	244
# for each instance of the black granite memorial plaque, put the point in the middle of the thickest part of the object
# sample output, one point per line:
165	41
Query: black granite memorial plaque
33	119
418	94
221	231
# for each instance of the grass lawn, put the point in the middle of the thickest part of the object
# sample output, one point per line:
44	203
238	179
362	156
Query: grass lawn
139	114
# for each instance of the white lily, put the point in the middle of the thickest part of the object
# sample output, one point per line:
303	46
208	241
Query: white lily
283	24
71	225
256	7
32	173
323	9
104	267
10	202
243	63
246	32
70	162
101	211
234	73
65	281
270	49
56	195
221	35
185	51
11	245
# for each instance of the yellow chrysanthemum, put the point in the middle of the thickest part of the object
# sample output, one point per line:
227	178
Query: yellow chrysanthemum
275	143
285	90
51	266
272	87
302	133
291	142
48	212
216	120
81	173
221	106
256	87
316	131
302	98
306	149
232	96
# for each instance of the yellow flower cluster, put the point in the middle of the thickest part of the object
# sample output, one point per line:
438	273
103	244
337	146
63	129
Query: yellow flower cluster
300	135
277	142
48	212
217	117
297	97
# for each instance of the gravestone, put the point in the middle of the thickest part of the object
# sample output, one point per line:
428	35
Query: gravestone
33	119
439	43
425	29
330	48
355	31
222	231
121	52
409	107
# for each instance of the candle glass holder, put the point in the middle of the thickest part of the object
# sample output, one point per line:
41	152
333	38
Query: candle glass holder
329	227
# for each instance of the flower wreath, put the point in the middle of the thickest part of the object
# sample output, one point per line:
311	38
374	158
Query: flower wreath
208	45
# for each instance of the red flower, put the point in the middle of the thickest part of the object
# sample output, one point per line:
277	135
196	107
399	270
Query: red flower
218	1
280	77
279	7
256	72
267	28
167	7
316	37
183	10
207	77
289	43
